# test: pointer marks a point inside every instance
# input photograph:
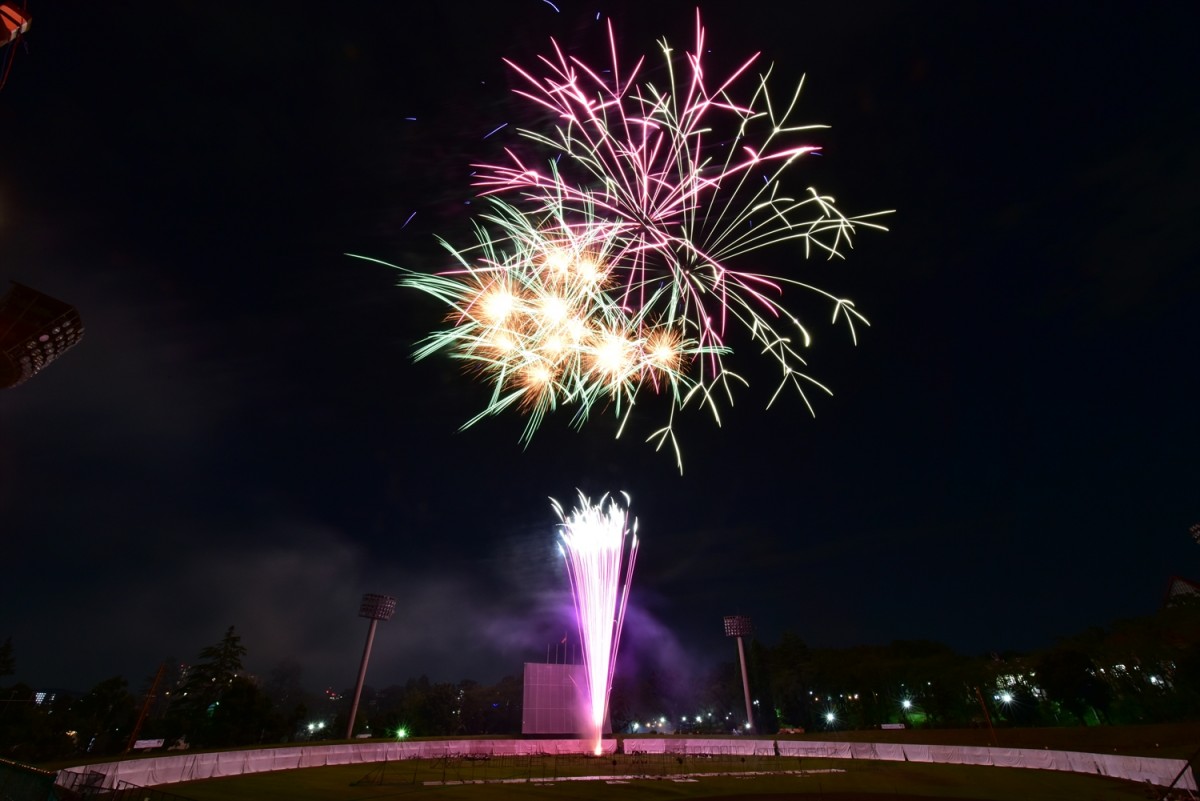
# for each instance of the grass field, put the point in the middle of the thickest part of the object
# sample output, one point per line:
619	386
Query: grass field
653	777
818	779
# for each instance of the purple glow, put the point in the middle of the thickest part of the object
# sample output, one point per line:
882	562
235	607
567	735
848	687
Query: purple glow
600	568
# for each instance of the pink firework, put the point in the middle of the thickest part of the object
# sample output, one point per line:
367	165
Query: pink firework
661	192
600	548
689	177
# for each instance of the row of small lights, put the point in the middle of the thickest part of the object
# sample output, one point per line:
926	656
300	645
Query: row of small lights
830	717
319	725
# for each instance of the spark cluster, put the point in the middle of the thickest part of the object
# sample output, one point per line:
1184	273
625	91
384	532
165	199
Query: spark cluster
608	262
532	309
600	548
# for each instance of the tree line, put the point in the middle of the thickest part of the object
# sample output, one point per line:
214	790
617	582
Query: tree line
1144	670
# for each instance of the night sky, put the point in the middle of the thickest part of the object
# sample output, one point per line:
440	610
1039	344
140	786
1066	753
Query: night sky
243	438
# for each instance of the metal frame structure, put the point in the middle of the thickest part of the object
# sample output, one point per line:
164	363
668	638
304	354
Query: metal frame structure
739	626
375	607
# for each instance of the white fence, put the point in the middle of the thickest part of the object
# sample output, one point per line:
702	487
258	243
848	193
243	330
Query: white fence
149	771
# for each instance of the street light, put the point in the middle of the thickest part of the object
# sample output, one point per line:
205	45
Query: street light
376	608
739	626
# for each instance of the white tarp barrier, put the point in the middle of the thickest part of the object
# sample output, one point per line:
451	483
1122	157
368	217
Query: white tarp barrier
887	751
151	771
706	746
1009	758
1144	769
918	753
1157	771
816	748
740	746
647	746
191	767
1079	762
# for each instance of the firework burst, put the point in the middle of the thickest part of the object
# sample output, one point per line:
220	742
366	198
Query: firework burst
612	269
531	310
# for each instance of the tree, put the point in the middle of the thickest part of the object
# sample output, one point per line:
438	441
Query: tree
789	665
649	693
439	713
242	716
223	661
1068	676
765	718
219	664
204	685
104	717
285	686
1187	682
494	709
289	702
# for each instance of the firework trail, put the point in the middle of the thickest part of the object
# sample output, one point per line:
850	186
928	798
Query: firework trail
611	270
600	549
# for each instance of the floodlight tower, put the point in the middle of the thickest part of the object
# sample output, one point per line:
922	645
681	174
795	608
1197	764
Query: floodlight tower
376	608
35	329
739	626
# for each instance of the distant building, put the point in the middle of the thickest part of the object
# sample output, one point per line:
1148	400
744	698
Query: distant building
1179	589
35	329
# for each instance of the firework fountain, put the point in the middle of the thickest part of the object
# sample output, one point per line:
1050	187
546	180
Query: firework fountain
600	547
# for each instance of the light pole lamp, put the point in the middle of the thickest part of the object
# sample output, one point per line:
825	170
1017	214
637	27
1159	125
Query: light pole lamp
375	607
35	329
739	626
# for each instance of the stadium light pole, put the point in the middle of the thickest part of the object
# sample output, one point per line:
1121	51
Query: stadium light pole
35	329
739	626
375	607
